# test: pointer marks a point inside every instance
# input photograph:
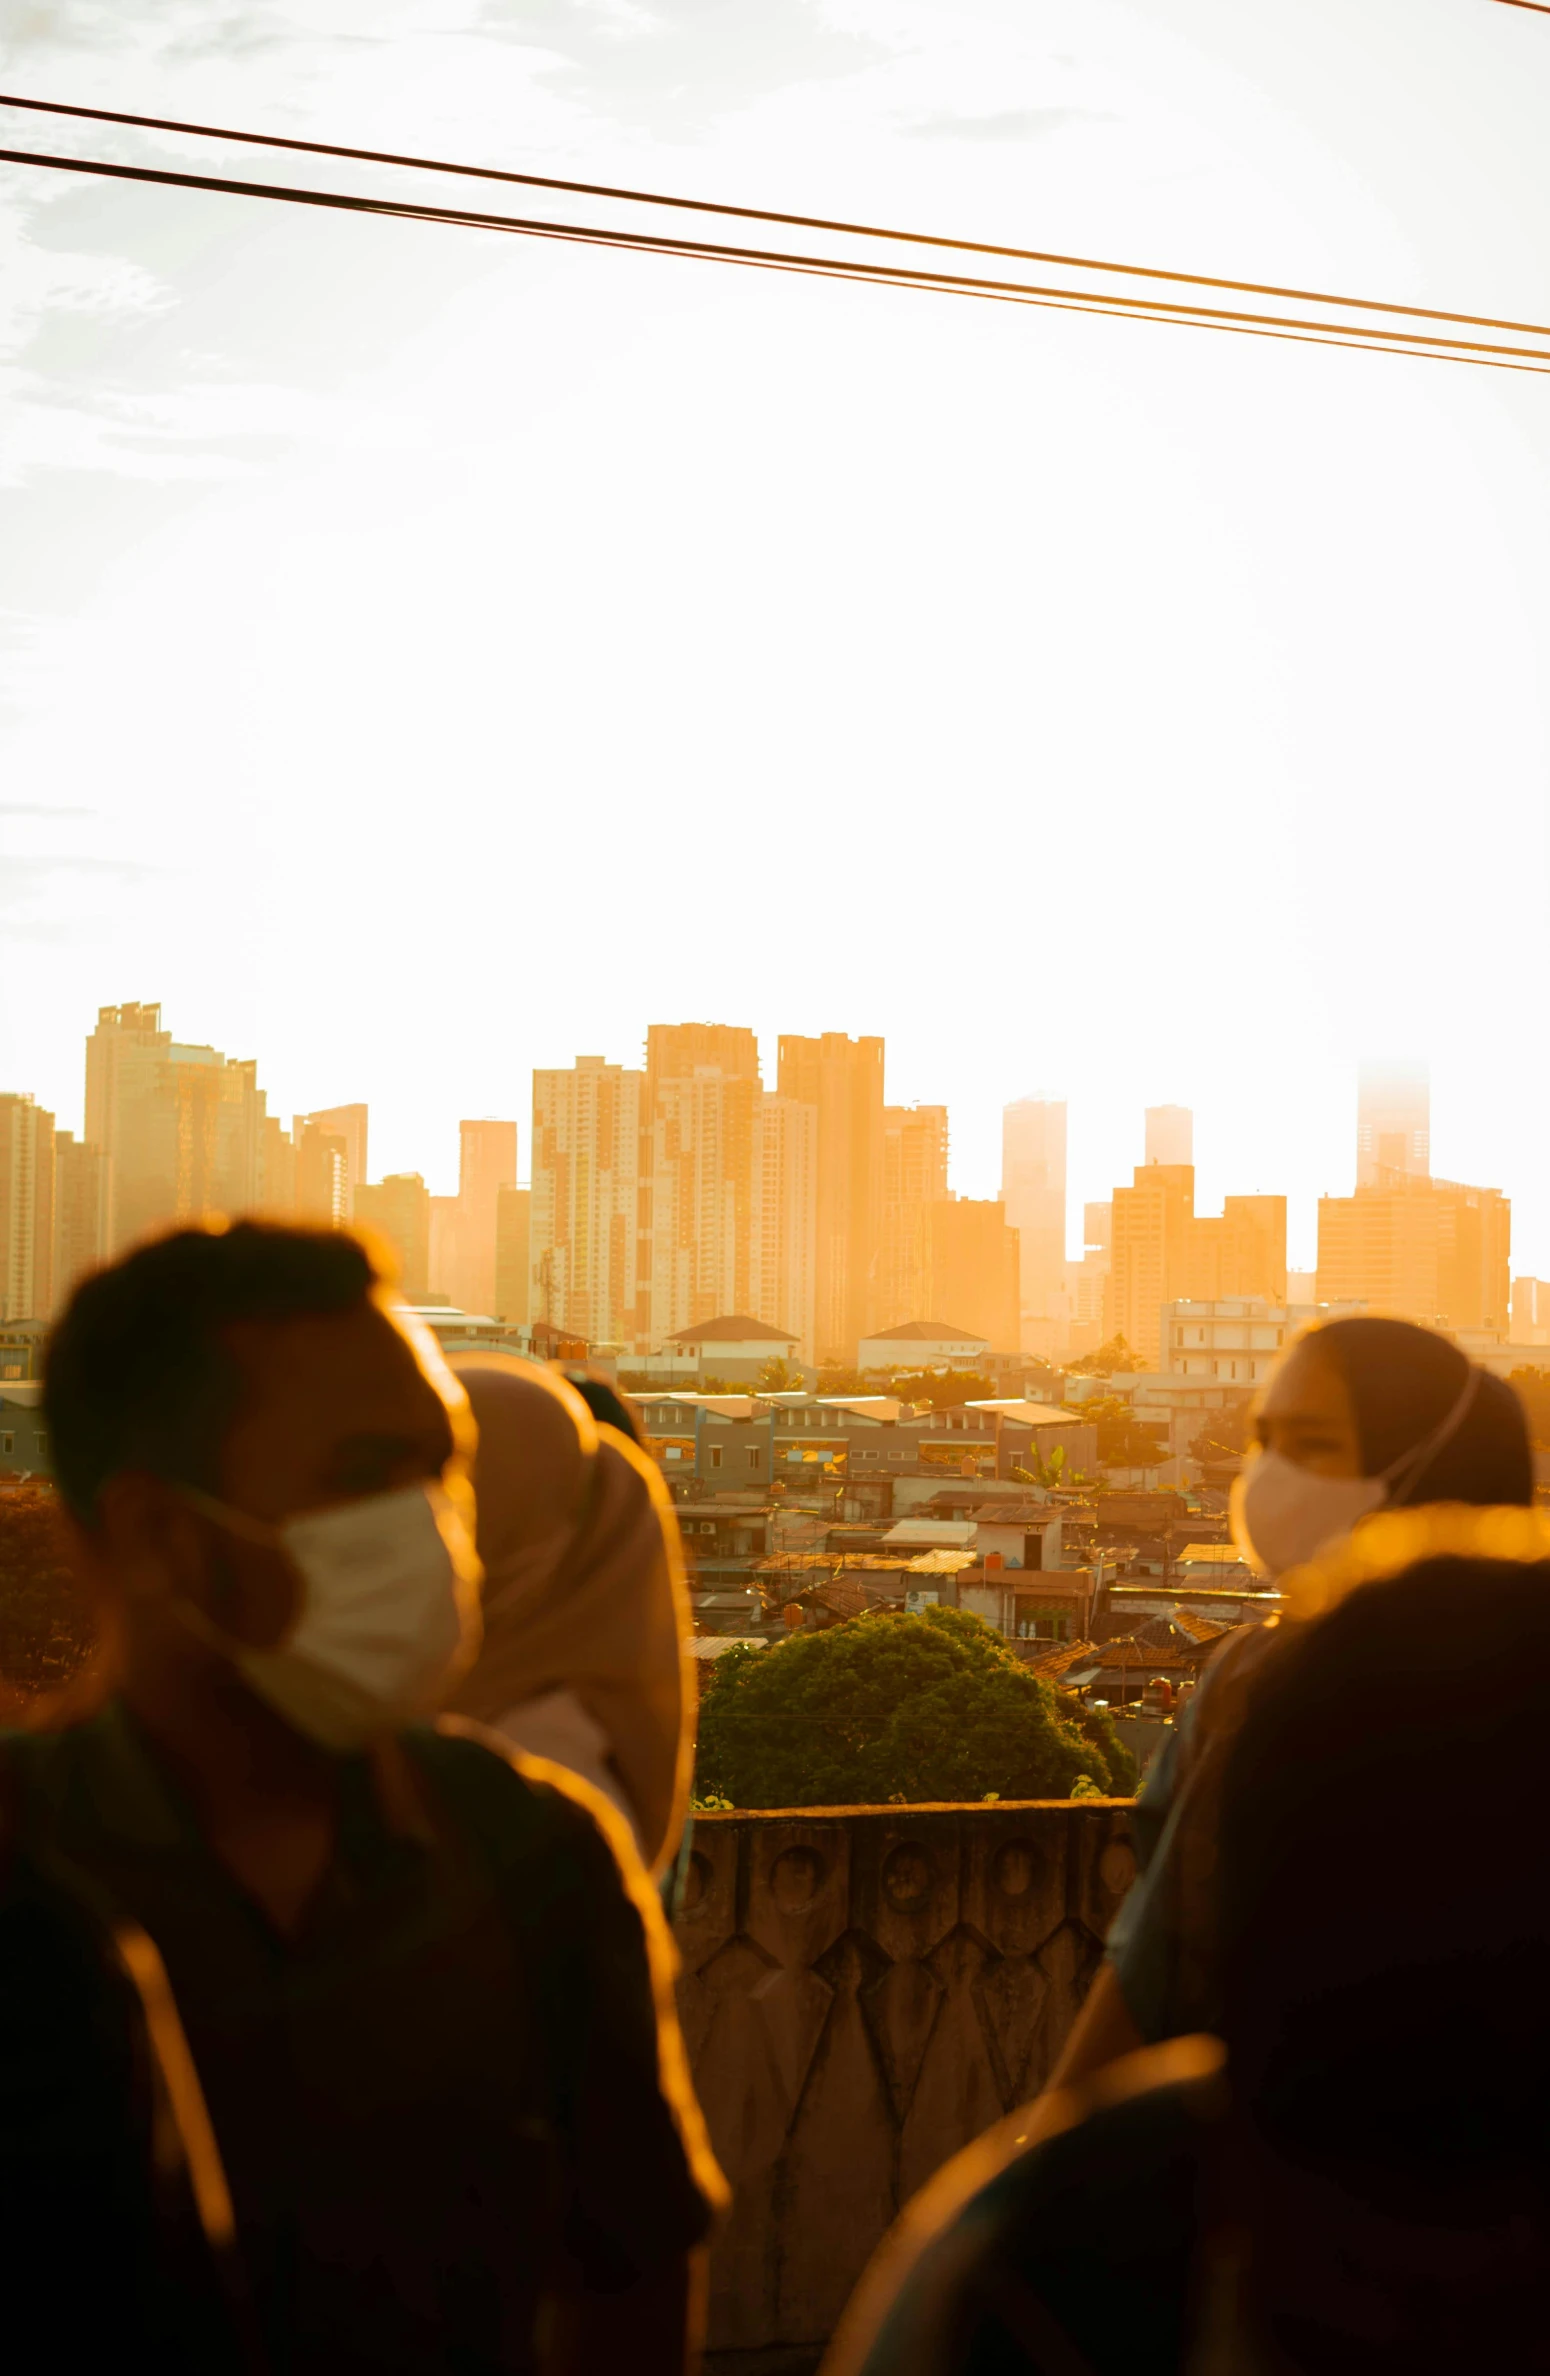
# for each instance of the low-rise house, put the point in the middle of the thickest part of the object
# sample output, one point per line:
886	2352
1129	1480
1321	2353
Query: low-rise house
1220	1564
922	1345
735	1347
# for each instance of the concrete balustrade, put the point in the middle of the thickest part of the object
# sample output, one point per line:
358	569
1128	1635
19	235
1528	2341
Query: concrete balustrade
864	1990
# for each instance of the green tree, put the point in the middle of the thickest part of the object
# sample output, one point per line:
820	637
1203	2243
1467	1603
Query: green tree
1225	1435
1114	1356
45	1627
776	1377
891	1708
1124	1441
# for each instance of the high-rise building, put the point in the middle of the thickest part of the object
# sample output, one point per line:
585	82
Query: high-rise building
399	1210
1033	1189
1164	1252
1153	1222
276	1195
915	1150
590	1206
1170	1134
1420	1249
347	1124
443	1262
513	1260
487	1163
843	1079
1240	1253
975	1270
321	1191
26	1209
785	1218
80	1212
1393	1124
676	1051
703	1180
181	1126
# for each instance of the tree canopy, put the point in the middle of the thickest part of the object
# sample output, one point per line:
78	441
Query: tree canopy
1114	1356
45	1629
890	1708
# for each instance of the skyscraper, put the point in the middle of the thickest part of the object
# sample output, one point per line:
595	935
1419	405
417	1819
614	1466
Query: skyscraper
1033	1189
702	1173
843	1079
676	1051
1150	1253
80	1212
1420	1249
915	1151
1170	1134
26	1209
347	1124
975	1269
1393	1124
588	1213
181	1125
399	1210
513	1260
487	1163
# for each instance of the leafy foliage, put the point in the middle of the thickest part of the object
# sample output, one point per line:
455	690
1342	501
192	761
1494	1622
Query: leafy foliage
892	1708
1225	1435
1115	1355
1123	1440
45	1629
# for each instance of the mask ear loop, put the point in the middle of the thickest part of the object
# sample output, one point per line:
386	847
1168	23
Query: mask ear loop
1402	1473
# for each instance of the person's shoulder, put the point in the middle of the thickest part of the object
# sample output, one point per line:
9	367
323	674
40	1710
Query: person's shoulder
543	1804
1083	2205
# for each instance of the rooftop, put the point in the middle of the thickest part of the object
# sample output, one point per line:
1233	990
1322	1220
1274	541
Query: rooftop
926	1332
734	1328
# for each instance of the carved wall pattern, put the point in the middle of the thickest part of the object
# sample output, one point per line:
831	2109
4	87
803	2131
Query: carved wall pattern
864	1991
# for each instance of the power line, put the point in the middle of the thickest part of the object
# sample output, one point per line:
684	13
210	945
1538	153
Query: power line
762	214
1427	345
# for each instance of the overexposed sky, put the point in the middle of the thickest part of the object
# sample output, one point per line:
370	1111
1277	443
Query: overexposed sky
425	655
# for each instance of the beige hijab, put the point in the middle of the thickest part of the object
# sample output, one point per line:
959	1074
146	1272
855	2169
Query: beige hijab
584	1587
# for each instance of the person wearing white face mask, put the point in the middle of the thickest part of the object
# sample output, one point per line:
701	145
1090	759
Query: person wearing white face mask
424	1996
1360	1415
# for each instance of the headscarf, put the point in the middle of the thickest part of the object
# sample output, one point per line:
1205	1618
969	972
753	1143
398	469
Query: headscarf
584	1587
1404	1381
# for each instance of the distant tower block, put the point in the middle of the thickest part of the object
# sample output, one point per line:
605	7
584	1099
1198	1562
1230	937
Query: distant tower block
1393	1124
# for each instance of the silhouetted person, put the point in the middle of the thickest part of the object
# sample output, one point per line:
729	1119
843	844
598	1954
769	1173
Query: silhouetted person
1361	2180
1359	1416
585	1609
426	2003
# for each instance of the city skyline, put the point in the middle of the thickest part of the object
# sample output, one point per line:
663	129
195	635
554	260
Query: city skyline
684	1190
342	647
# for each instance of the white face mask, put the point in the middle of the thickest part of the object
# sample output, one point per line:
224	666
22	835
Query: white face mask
388	1612
1283	1514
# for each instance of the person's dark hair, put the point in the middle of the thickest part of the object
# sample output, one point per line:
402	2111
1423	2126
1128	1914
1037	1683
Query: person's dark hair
1385	1941
607	1406
1404	1381
138	1373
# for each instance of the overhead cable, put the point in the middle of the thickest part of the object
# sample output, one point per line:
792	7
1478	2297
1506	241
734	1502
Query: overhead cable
1426	344
765	214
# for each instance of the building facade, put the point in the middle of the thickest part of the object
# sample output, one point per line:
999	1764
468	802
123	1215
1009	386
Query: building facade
1393	1124
590	1211
1033	1190
843	1079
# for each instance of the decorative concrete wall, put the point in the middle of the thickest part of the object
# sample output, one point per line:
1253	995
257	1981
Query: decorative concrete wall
865	1989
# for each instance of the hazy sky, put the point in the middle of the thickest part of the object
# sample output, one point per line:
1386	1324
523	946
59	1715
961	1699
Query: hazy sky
427	655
